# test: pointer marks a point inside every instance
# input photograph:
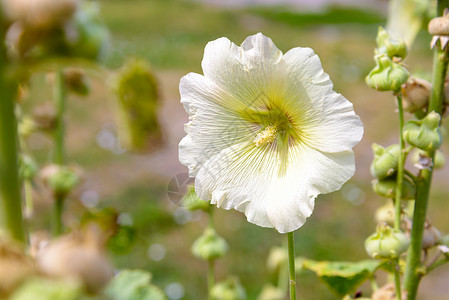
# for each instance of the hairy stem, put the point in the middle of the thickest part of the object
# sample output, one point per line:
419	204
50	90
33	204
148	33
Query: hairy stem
10	200
291	264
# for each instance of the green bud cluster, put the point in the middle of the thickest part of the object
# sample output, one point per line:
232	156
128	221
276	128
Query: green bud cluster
424	134
231	289
386	243
388	75
209	246
385	161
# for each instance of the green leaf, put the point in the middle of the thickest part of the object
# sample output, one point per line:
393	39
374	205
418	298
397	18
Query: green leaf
342	278
133	285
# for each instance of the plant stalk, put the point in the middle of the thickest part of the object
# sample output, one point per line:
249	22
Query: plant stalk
413	274
10	200
400	175
59	149
397	279
291	264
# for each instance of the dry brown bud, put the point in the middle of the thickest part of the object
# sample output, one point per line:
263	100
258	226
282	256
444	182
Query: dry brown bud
416	94
80	256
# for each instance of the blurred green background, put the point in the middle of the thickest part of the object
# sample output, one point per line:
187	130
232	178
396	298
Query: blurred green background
171	35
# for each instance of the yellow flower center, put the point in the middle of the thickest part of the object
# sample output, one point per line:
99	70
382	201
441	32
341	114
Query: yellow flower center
266	136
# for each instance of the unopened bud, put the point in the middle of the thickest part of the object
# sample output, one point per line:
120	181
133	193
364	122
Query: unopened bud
385	161
386	243
61	179
27	167
270	292
40	13
387	188
388	292
392	47
387	75
416	93
209	246
138	102
431	236
44	116
26	127
277	258
424	134
421	159
79	256
439	28
231	289
191	201
385	214
76	81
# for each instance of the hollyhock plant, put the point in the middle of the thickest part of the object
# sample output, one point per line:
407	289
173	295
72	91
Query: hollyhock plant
266	134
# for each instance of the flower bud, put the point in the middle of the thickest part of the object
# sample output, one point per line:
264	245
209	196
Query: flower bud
439	28
87	36
60	179
209	246
26	127
387	75
386	243
277	258
387	292
15	267
270	292
191	201
387	188
231	289
27	167
385	161
385	214
416	94
424	134
76	81
431	236
392	47
138	102
40	13
79	256
421	159
44	116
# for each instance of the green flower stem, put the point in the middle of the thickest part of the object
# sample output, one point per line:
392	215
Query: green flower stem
60	99
400	176
210	275
291	264
413	274
397	279
10	200
210	262
29	207
59	154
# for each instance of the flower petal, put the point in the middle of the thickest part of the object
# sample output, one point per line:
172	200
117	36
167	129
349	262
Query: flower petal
251	73
248	179
214	122
326	118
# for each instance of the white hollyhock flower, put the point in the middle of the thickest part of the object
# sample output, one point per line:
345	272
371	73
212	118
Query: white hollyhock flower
266	133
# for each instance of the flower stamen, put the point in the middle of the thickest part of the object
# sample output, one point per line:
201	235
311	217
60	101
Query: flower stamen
266	136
